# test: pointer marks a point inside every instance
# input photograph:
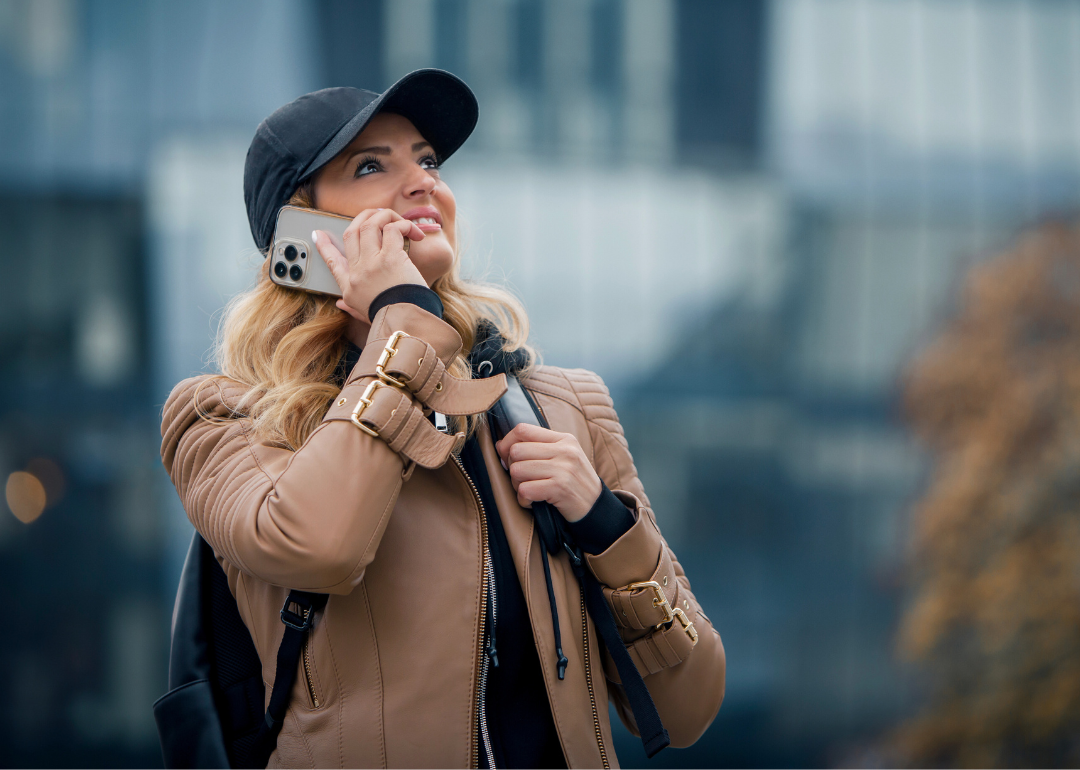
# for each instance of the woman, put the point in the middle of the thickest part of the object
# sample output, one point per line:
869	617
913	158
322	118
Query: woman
450	638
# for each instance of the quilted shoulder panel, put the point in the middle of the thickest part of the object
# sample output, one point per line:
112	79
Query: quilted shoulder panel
586	392
581	388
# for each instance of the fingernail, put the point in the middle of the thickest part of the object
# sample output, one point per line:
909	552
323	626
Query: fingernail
315	236
503	464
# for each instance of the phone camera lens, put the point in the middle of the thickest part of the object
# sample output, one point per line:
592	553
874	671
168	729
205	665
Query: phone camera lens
296	273
290	252
280	269
303	255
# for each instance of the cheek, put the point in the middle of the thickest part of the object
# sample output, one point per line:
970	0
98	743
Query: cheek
348	199
434	258
449	216
451	235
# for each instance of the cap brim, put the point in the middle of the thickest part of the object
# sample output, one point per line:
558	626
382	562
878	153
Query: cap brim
439	104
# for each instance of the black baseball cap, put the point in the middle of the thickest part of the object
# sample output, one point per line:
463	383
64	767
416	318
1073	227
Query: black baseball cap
305	134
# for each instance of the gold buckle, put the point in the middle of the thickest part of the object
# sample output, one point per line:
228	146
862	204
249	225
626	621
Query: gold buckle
384	358
364	403
659	600
687	624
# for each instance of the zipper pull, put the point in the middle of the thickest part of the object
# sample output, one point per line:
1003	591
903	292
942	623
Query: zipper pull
491	651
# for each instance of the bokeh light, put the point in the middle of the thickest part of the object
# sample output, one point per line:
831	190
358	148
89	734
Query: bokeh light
51	477
25	496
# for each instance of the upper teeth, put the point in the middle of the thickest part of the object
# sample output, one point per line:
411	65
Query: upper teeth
425	221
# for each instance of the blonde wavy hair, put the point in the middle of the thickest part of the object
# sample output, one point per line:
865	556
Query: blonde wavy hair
285	345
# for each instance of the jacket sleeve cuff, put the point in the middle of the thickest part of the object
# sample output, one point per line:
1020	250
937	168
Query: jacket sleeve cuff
607	521
408	292
415	321
632	557
423	346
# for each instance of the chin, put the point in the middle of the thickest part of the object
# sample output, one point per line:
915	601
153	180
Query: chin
433	262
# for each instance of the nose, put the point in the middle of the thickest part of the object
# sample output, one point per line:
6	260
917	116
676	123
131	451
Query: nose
419	184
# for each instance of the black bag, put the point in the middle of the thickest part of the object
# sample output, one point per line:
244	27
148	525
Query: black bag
213	714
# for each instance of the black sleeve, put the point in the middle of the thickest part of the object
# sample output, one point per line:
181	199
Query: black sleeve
407	292
606	522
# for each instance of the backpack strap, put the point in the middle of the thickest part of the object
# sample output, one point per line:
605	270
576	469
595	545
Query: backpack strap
237	676
298	623
514	408
654	736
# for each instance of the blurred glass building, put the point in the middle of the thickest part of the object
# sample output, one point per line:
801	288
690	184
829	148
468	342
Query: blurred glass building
782	192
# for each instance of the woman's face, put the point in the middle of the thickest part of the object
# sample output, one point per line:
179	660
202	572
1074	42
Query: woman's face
390	166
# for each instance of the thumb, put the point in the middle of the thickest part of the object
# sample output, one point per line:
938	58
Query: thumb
343	305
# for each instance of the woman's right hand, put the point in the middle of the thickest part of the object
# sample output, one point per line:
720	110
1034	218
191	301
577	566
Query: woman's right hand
374	258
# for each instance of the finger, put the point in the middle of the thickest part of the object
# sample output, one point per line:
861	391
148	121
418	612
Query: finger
371	231
361	219
507	441
502	446
413	232
409	229
533	491
366	231
530	470
528	432
531	450
394	234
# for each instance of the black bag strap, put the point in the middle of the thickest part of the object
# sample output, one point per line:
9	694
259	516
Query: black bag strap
654	736
297	625
517	406
223	724
251	740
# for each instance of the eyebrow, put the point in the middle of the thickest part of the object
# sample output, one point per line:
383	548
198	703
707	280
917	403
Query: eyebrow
382	149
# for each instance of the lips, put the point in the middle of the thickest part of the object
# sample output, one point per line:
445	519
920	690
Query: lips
427	218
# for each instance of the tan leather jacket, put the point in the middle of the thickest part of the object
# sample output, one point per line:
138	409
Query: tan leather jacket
377	511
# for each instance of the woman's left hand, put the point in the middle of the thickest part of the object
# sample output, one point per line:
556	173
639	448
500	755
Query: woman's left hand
550	466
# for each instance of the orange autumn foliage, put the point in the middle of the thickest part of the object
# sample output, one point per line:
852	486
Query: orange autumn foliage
994	617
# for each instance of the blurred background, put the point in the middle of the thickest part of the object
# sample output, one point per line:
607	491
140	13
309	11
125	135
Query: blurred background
854	216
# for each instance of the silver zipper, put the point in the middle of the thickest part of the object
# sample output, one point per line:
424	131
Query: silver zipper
485	665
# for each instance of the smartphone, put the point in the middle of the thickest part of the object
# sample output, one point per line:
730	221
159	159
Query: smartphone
294	260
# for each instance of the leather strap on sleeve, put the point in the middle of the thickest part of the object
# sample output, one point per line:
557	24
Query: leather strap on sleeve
656	651
391	414
412	364
647	606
